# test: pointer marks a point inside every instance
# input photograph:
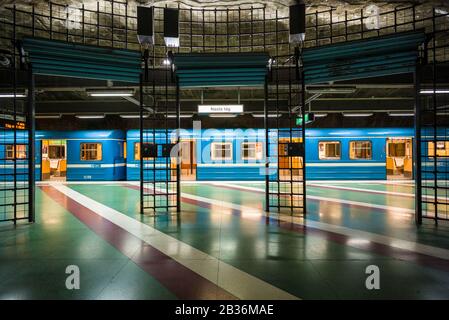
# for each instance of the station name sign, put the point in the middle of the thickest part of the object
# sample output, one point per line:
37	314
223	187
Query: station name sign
220	108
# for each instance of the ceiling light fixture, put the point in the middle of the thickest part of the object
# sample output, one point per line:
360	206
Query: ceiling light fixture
181	116
110	92
11	95
132	116
270	115
357	114
90	116
437	91
320	115
401	114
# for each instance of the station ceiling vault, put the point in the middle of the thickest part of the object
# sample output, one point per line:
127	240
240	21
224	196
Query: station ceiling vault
382	94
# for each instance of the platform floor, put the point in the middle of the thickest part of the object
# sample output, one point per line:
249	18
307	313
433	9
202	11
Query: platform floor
223	246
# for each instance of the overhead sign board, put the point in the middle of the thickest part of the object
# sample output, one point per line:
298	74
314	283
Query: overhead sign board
220	108
10	124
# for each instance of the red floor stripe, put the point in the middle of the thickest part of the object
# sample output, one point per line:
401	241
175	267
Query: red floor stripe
180	280
378	248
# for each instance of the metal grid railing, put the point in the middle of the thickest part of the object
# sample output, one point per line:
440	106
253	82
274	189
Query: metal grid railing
15	152
159	174
434	156
285	184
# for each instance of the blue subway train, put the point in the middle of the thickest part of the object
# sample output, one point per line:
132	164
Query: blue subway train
221	154
91	155
331	154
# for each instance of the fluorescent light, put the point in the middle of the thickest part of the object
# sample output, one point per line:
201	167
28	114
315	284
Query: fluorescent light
48	116
181	116
270	115
320	115
110	93
401	114
92	116
171	42
132	116
222	115
357	114
430	91
11	95
220	108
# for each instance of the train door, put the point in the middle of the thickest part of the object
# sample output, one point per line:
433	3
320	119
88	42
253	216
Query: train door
54	160
188	160
399	158
288	165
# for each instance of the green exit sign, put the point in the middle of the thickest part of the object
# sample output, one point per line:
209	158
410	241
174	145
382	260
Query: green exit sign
309	117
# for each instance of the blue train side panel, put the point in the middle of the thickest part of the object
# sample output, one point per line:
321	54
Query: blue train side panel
154	169
7	166
428	163
236	168
346	168
110	167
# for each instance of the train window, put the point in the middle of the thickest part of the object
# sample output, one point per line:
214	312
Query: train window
396	149
360	150
221	151
329	150
137	152
56	152
91	151
20	151
442	149
251	150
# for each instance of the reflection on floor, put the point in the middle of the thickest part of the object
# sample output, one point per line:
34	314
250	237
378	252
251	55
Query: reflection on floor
223	246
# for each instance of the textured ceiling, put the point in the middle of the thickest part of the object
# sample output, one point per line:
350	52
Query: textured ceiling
382	96
311	4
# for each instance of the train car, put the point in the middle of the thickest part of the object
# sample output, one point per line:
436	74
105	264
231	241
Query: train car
331	154
155	167
359	154
90	155
430	163
14	156
221	154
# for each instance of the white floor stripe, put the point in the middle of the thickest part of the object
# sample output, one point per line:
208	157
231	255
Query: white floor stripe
356	235
388	193
350	202
353	233
373	237
235	281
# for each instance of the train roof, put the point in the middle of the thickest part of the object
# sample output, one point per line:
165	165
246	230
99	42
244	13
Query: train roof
81	134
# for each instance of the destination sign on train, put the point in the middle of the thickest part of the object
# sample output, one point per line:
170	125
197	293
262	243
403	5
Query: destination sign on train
220	108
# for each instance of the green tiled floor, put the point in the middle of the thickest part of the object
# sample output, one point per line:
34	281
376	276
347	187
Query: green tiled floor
309	266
